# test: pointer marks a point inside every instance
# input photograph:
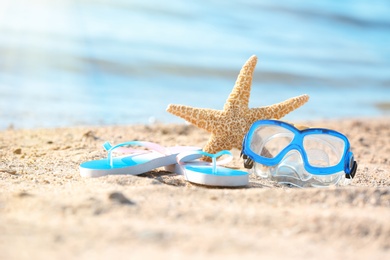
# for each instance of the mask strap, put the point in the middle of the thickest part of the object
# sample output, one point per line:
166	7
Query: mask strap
352	173
248	162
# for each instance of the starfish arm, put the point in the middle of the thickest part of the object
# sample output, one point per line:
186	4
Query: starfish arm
204	118
277	111
239	97
216	144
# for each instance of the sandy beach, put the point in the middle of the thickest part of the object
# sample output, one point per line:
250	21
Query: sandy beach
47	211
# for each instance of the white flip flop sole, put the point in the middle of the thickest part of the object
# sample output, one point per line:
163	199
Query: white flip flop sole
209	174
138	162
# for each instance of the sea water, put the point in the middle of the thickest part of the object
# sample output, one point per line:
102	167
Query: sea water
115	62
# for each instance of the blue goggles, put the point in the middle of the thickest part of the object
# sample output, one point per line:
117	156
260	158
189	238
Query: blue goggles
322	151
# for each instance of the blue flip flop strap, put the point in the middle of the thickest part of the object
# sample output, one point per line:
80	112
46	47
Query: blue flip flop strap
151	146
186	158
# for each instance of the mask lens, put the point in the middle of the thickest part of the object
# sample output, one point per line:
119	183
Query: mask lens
269	140
323	150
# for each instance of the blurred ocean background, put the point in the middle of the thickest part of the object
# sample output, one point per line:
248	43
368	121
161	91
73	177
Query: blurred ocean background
116	62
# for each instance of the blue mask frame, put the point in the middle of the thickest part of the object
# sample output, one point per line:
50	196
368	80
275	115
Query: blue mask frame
346	164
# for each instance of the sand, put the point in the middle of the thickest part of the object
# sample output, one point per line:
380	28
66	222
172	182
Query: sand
47	211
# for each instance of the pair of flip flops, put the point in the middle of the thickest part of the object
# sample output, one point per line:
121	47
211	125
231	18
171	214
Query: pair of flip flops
179	159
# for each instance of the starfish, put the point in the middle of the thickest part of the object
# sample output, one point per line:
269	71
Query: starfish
229	126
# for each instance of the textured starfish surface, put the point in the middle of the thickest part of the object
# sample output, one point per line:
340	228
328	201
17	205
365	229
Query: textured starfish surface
229	126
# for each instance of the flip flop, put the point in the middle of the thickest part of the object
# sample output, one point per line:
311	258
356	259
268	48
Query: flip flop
205	173
134	161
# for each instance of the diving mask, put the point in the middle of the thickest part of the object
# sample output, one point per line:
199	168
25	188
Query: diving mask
313	157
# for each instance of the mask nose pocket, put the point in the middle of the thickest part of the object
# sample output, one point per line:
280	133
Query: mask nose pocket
291	166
